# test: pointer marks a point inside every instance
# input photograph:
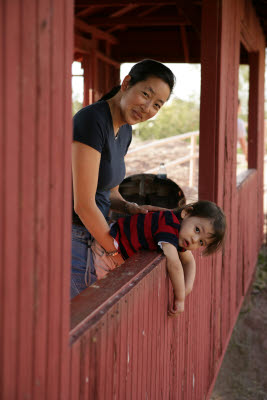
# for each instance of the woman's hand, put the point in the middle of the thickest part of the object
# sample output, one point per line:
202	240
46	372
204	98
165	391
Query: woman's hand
118	259
119	204
133	208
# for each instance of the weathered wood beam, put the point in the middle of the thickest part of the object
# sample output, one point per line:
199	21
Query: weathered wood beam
116	28
97	33
87	11
191	13
142	14
120	3
248	41
148	11
133	21
83	45
124	10
153	34
185	44
107	59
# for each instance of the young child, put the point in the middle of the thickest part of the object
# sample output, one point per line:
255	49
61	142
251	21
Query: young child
200	224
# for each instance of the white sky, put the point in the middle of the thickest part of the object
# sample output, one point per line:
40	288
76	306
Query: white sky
187	80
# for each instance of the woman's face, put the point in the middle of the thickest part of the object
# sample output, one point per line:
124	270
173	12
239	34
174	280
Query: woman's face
143	100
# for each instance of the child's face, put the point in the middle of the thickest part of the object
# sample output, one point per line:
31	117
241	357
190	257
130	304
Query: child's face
195	232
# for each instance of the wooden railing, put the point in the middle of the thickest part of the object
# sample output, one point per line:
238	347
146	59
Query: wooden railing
124	345
191	157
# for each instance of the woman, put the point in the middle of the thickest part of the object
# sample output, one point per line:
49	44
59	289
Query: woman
102	135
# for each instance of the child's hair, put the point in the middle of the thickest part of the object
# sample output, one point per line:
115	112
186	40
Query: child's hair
209	210
144	70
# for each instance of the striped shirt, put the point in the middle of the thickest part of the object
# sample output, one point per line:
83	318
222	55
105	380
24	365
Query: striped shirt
145	231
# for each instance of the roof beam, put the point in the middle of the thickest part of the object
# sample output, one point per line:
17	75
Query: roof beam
148	11
120	3
83	45
185	44
133	21
107	59
123	10
191	13
87	11
142	14
96	33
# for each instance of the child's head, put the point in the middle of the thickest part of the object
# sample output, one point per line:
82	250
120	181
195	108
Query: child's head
203	224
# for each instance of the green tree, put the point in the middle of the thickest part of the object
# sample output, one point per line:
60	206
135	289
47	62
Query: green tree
175	118
243	90
76	105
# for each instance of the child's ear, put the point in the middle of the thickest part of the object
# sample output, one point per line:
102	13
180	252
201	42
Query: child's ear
186	212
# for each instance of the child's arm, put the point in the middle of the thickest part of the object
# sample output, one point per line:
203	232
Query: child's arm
176	274
189	266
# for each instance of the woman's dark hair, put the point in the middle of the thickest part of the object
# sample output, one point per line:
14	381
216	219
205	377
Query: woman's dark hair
209	210
144	70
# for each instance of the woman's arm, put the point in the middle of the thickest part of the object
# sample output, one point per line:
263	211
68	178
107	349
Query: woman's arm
176	274
85	167
119	204
189	267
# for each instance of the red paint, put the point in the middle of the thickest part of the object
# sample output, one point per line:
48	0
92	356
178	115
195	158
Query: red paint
121	344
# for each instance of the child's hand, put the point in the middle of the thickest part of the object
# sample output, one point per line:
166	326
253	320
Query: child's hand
178	308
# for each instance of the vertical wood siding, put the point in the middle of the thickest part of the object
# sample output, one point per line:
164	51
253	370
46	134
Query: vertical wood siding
126	347
35	118
134	351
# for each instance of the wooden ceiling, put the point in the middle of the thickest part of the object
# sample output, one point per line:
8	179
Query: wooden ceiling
132	30
127	31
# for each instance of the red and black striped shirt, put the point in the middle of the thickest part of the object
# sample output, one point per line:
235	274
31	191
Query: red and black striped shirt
145	231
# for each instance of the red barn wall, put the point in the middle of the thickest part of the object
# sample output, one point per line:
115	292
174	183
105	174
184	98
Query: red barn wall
35	112
121	343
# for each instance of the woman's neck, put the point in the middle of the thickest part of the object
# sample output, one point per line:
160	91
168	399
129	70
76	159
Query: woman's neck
114	106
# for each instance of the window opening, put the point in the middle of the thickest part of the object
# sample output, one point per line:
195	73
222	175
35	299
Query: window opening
242	108
172	136
77	86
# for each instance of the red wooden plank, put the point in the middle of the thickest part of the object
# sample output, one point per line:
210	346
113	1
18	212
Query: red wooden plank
151	348
2	175
66	201
11	65
123	353
109	353
85	367
157	333
166	362
145	333
129	348
135	341
87	305
210	162
56	195
141	340
117	350
93	345
28	200
74	379
42	200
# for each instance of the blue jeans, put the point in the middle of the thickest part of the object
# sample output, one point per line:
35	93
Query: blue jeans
82	267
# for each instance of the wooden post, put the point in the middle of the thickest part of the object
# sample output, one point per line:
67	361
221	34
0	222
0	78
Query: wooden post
86	65
192	166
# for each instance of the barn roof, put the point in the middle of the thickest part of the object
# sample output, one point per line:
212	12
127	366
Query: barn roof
168	30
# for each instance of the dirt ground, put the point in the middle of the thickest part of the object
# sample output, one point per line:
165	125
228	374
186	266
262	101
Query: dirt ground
243	374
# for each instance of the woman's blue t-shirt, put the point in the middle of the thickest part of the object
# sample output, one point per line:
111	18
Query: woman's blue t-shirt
93	126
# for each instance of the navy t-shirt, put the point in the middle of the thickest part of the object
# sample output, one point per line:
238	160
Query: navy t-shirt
93	126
